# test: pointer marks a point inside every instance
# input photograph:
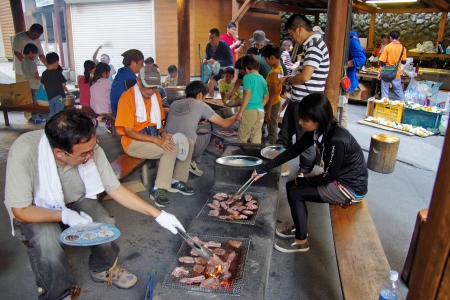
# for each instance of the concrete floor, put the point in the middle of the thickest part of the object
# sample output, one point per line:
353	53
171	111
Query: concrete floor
394	201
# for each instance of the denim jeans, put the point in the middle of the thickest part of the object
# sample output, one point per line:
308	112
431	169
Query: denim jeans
34	116
396	86
56	105
47	258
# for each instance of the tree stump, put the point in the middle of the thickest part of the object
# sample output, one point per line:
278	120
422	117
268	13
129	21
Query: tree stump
383	153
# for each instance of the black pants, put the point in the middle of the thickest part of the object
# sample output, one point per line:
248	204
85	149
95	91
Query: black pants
289	127
297	196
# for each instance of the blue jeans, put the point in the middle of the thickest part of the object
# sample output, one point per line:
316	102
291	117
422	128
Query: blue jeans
47	258
396	86
34	116
56	105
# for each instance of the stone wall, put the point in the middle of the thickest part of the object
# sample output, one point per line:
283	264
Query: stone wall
413	28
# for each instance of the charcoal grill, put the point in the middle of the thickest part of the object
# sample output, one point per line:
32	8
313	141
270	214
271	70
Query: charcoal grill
234	283
203	214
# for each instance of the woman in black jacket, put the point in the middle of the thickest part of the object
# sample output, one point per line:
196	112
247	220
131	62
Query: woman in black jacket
344	178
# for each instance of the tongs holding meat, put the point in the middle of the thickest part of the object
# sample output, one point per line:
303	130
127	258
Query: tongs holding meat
201	250
243	188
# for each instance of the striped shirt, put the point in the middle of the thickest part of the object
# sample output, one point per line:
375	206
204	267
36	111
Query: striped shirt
286	58
315	54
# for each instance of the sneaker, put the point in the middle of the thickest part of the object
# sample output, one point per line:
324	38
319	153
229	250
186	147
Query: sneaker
194	169
39	121
286	232
285	170
160	198
290	245
181	187
116	275
108	128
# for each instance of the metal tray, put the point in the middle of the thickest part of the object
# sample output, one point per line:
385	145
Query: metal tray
271	152
203	214
239	161
237	270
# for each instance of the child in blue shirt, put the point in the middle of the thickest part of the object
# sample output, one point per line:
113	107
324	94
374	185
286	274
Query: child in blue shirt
256	95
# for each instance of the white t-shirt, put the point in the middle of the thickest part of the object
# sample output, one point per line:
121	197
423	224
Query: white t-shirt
19	42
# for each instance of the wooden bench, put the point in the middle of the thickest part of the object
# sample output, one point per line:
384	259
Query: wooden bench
33	108
362	263
126	165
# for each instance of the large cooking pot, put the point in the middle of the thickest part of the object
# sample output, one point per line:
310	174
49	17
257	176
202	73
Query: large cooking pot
175	93
229	111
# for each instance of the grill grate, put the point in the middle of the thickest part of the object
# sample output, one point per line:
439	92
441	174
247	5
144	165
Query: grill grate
236	268
203	214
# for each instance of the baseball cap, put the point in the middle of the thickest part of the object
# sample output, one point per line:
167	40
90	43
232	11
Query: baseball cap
259	37
150	76
318	29
132	54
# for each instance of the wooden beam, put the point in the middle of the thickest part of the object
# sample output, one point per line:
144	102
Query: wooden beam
184	56
442	5
407	10
242	10
440	36
17	15
284	8
364	7
234	13
371	31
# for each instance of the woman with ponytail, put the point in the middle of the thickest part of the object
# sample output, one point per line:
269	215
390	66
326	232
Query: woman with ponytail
100	91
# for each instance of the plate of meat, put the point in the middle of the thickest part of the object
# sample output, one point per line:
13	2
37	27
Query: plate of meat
223	274
223	206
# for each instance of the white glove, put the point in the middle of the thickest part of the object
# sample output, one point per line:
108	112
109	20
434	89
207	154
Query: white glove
169	222
72	218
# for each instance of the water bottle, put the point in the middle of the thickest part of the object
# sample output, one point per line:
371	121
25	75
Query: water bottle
390	290
447	50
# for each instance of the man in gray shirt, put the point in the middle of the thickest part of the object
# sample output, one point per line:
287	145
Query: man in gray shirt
70	139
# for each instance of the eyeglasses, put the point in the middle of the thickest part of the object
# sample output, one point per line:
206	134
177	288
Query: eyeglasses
291	32
85	156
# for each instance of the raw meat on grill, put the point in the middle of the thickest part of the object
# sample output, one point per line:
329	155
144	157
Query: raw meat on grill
250	202
233	212
248	197
186	259
194	253
252	207
213	206
216	203
231	256
214	213
229	217
197	279
234	244
178	271
231	199
240	217
224	205
198	268
219	251
195	238
247	212
212	244
210	283
238	208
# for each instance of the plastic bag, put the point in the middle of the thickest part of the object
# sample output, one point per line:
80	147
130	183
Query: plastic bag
416	92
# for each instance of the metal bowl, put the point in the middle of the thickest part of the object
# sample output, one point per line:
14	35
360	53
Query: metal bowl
239	161
175	93
229	111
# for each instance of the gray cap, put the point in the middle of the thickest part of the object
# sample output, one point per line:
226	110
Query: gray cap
259	37
132	54
150	76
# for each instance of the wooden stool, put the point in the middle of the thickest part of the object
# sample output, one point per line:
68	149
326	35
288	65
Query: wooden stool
383	153
417	235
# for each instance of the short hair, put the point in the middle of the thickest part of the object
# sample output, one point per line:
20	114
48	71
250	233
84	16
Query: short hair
52	57
30	48
106	56
36	28
297	20
215	31
286	43
250	61
68	128
196	87
172	69
238	63
394	34
317	108
385	35
271	49
231	25
149	60
229	70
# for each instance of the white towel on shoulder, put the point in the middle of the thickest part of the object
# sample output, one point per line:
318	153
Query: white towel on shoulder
141	111
50	194
155	113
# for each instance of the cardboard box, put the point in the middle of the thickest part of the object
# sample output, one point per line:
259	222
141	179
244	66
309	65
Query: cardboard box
443	99
15	94
361	93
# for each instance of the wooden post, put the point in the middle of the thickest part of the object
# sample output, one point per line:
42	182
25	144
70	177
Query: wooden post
383	153
371	31
440	36
184	55
333	38
17	14
58	36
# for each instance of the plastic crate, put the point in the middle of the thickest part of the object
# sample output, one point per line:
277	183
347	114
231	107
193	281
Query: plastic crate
388	112
421	118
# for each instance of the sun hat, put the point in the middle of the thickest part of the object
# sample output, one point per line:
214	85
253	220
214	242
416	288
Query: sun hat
259	37
150	76
318	29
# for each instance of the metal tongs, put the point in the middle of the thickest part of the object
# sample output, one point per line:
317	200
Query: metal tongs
201	250
243	188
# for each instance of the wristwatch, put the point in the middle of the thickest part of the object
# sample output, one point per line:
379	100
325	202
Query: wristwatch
287	81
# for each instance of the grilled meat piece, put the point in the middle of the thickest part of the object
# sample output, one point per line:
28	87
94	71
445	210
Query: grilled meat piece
198	268
231	256
251	202
216	203
210	283
219	251
233	212
240	217
248	197
213	206
178	271
215	261
210	269
186	259
229	217
200	261
224	272
247	212
213	213
198	240
194	253
234	244
212	244
224	205
197	279
252	207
